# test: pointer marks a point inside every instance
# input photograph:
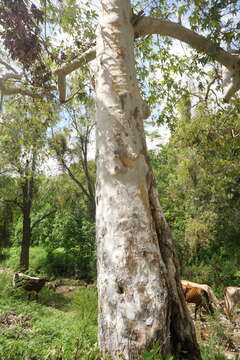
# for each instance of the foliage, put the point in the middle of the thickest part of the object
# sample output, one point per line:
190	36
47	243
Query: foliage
70	244
168	69
37	258
76	261
198	179
71	146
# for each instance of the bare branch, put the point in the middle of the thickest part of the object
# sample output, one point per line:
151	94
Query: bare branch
13	91
66	69
83	59
62	87
7	66
5	90
148	25
9	76
233	87
234	135
209	87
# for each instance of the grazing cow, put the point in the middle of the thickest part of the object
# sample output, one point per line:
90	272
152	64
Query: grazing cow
231	298
29	283
197	296
212	298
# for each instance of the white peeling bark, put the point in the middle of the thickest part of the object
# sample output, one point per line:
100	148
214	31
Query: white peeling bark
148	25
66	69
138	283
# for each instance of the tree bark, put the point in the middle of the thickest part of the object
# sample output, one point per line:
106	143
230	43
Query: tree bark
26	237
140	296
7	214
27	194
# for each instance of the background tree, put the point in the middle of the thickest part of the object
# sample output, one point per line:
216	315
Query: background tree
22	144
72	146
6	221
66	234
197	174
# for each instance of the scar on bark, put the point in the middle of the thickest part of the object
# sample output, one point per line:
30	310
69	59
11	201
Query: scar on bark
127	162
136	112
120	289
131	263
143	194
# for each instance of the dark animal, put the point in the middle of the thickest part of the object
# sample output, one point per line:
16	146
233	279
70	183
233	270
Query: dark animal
199	297
29	283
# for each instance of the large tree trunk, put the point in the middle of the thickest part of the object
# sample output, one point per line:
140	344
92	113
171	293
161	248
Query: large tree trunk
140	296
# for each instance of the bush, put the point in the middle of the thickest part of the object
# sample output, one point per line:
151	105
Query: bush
60	262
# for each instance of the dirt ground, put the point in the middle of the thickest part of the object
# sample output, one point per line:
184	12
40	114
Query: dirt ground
219	333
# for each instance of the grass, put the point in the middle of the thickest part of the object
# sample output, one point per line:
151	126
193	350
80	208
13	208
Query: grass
37	258
58	327
34	330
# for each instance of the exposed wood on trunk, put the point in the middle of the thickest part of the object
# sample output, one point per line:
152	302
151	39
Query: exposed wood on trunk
140	294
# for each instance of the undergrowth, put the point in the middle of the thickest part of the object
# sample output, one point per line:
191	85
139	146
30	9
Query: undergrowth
57	327
52	329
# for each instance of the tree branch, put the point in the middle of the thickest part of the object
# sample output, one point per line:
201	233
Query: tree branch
73	177
8	76
7	66
233	87
66	69
5	90
145	26
42	218
83	59
148	26
12	202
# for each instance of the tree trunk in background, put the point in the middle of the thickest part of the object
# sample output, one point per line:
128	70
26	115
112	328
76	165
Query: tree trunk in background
7	215
26	238
27	193
140	295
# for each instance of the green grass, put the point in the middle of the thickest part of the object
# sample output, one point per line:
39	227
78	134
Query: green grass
38	331
37	258
57	327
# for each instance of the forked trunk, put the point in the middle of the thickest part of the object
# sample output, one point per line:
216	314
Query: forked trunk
140	296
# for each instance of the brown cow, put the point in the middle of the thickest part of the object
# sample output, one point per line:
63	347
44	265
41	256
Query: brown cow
199	297
212	298
231	298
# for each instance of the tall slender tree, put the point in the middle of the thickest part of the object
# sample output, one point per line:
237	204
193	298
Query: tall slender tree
72	148
22	142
